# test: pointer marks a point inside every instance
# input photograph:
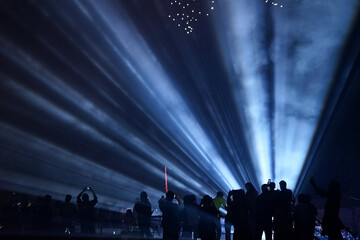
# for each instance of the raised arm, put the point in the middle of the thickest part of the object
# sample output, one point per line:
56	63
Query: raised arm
177	197
95	200
79	195
317	189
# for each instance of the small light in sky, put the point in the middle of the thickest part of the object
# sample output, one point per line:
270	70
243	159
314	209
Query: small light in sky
185	10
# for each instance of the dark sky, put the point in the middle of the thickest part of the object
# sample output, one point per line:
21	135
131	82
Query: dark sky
108	93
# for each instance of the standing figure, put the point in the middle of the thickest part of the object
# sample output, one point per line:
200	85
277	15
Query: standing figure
219	201
283	213
263	214
251	195
208	214
331	224
142	210
239	209
304	218
86	210
128	220
171	215
67	214
190	217
46	214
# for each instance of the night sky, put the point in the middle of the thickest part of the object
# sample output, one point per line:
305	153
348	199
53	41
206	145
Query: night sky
107	93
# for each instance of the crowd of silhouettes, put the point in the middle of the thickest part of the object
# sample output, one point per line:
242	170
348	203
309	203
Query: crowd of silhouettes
20	212
272	213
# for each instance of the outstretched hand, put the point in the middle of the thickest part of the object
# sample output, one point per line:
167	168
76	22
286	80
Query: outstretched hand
177	197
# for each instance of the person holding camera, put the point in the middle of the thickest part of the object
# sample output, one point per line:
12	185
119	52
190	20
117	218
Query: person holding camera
171	215
263	214
86	210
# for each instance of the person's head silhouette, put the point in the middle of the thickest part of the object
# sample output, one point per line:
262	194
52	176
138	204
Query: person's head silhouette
219	194
264	188
206	201
85	197
143	196
67	198
301	198
47	199
238	195
249	186
282	184
272	186
170	195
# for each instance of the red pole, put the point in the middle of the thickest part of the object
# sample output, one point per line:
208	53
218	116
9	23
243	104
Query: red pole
166	185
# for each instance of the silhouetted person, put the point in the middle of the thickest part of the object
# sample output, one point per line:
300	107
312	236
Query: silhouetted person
86	210
331	224
189	217
251	195
239	208
219	201
129	220
263	214
143	212
304	217
228	221
273	196
46	214
208	213
68	213
36	209
171	215
283	214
